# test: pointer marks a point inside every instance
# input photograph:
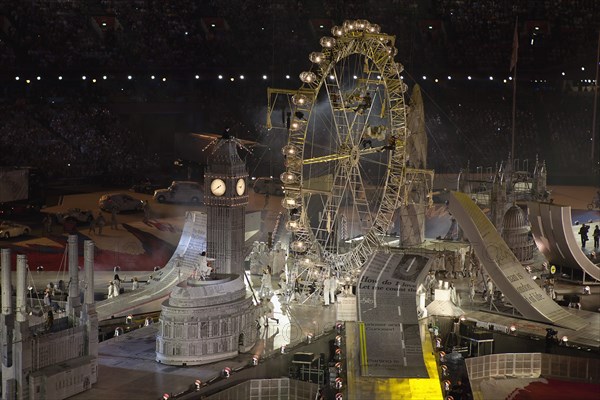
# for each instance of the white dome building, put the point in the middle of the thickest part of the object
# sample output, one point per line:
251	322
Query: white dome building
204	321
516	234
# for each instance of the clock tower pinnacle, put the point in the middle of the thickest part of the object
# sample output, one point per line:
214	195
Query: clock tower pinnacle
226	197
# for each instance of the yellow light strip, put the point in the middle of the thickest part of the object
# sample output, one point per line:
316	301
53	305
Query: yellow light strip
363	348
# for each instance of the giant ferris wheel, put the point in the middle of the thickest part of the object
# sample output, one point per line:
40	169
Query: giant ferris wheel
346	161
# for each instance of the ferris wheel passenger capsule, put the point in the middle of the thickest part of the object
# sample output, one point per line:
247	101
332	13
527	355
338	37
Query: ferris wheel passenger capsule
327	42
374	28
300	99
298	246
316	57
289	203
292	226
296	125
308	77
290	150
337	31
349	25
362	24
288	177
306	262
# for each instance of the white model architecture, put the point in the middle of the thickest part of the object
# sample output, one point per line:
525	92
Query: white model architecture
204	321
212	317
52	360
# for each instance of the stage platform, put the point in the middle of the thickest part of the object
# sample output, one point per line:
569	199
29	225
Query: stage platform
128	370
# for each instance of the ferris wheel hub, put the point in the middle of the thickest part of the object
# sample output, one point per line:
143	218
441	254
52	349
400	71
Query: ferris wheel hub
355	154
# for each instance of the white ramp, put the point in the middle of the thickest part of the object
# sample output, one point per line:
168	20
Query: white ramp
504	268
387	305
149	297
554	236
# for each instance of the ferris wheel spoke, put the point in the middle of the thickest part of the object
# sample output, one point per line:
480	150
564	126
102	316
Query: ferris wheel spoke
325	231
360	201
337	105
325	159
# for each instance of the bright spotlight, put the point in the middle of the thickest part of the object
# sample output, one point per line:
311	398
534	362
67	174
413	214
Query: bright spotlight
130	77
17	78
491	78
197	77
220	76
104	77
469	77
264	77
84	77
241	76
152	77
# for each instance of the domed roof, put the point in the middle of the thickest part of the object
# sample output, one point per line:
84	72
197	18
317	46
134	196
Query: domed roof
198	293
515	218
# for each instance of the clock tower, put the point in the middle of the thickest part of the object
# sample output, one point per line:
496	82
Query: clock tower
226	197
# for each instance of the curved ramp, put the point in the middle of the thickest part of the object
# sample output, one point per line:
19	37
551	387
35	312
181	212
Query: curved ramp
504	268
554	236
149	297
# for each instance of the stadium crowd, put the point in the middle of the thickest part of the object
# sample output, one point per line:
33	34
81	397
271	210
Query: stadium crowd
71	127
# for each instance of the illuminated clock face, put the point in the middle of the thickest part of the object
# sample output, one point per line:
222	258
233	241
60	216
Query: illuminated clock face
217	187
240	186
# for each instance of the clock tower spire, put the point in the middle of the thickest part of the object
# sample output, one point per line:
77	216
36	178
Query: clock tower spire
226	197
